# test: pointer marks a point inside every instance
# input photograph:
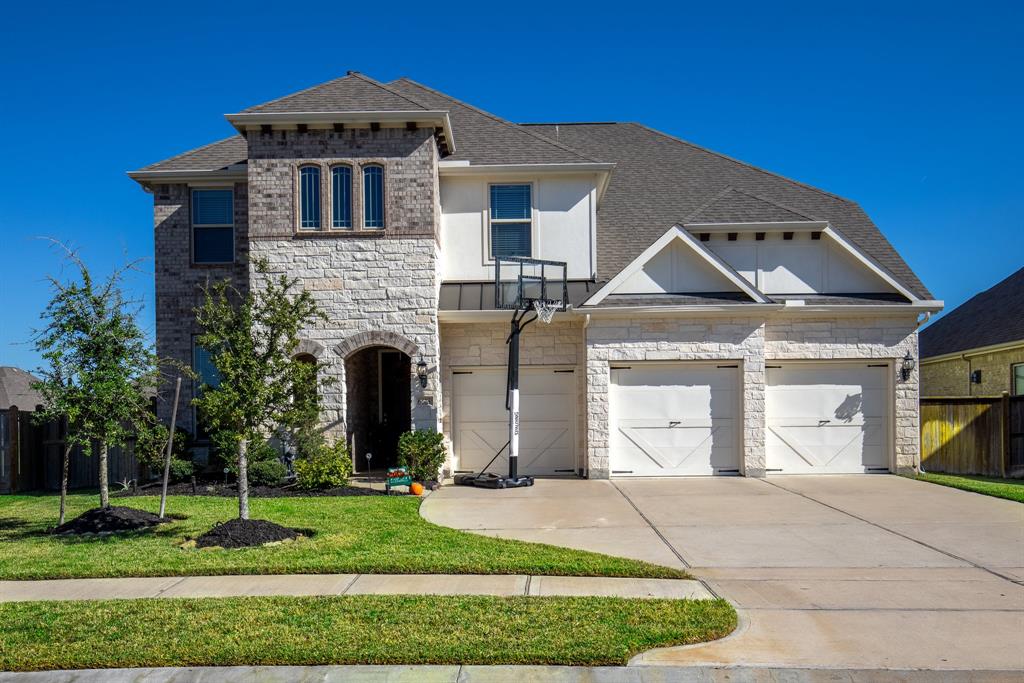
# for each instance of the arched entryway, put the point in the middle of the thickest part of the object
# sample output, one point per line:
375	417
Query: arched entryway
378	403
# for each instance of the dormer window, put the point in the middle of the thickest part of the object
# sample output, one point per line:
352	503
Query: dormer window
511	216
309	198
373	196
341	197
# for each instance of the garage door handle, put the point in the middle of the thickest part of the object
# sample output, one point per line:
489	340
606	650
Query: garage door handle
822	423
674	423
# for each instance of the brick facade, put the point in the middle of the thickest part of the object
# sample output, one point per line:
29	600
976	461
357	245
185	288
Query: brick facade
179	283
952	377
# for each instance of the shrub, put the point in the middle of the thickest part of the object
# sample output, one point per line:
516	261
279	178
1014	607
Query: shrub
323	466
266	472
422	452
181	469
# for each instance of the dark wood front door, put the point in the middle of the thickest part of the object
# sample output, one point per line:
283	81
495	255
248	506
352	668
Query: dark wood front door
394	415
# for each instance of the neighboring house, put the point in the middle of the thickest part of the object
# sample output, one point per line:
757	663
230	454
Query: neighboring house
724	320
977	349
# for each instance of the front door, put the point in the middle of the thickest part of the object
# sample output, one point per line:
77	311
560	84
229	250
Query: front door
394	415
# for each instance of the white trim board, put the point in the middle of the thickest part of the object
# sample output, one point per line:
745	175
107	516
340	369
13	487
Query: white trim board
677	232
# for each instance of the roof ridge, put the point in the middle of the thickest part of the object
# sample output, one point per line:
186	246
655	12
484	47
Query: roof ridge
714	198
500	120
383	86
192	151
743	163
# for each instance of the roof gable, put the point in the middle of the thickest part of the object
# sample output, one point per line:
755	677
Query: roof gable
993	317
350	93
676	263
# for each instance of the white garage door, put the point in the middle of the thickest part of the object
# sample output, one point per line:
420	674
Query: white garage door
827	418
547	413
671	420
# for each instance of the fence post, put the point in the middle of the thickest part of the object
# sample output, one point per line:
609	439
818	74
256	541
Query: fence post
1006	434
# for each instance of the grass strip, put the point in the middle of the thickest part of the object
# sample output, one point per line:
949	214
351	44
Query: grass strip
1010	489
349	535
368	629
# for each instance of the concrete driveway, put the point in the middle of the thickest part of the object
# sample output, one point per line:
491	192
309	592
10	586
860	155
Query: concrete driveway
826	571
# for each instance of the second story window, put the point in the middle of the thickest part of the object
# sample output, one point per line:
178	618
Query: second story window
341	197
309	198
213	231
511	218
373	196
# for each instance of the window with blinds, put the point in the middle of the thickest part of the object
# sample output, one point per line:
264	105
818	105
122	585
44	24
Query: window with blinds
373	196
213	231
511	216
309	198
341	197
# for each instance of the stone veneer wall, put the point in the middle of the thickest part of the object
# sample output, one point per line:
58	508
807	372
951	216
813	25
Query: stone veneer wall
750	341
483	344
952	377
179	282
377	287
650	338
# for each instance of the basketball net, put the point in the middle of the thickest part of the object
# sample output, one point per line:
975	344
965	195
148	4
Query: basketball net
545	310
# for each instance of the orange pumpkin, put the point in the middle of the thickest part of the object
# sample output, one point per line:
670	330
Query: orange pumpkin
416	489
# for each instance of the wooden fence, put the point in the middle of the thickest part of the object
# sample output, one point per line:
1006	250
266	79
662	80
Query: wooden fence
31	457
973	435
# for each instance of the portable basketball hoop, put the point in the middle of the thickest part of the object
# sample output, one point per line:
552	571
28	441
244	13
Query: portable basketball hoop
523	286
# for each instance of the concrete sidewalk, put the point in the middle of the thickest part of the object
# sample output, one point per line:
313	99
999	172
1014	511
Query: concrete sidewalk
350	584
502	674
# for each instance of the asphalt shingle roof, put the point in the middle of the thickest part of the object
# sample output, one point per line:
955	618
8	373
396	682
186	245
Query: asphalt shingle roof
660	180
995	316
16	389
353	92
211	157
483	138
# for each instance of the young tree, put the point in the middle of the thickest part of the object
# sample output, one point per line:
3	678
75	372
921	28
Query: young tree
100	364
251	339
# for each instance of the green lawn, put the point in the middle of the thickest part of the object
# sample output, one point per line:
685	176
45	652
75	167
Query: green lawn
1010	489
350	535
370	629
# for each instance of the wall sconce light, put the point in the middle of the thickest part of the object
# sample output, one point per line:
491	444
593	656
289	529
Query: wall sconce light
907	366
421	372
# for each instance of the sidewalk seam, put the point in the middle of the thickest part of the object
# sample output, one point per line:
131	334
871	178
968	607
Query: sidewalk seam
349	585
651	525
176	583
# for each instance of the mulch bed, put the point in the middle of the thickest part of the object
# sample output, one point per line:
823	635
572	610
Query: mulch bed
231	490
109	520
245	533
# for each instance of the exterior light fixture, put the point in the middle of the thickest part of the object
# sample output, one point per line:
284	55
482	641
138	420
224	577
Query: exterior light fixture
421	372
907	366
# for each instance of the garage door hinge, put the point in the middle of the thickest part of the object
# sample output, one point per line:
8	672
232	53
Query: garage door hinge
622	471
727	366
621	367
773	367
462	372
878	365
557	371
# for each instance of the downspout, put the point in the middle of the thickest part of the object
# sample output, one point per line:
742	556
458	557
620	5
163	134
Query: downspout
586	427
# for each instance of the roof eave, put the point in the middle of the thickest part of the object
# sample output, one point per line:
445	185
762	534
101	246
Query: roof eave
244	121
231	174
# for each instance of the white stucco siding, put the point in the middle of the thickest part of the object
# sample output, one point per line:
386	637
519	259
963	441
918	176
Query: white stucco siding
564	213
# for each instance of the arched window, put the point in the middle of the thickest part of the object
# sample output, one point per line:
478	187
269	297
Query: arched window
309	198
373	196
341	197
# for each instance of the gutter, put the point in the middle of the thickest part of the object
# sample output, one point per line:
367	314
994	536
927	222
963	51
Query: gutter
980	351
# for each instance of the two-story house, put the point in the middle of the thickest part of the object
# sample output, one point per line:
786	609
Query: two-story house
723	319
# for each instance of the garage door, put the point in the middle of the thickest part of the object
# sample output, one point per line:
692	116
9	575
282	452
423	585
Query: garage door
827	418
672	420
547	413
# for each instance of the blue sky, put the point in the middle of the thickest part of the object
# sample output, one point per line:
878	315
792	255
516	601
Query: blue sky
913	110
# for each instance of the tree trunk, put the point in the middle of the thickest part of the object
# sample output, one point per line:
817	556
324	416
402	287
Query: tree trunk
65	466
104	486
243	479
